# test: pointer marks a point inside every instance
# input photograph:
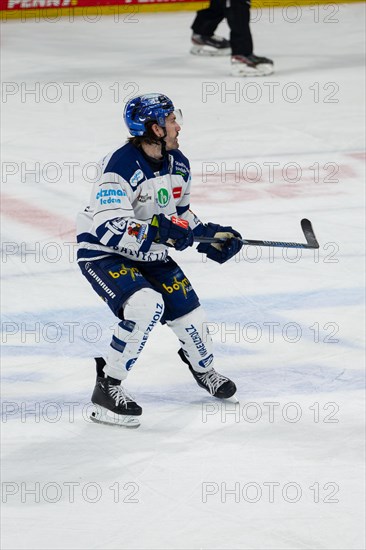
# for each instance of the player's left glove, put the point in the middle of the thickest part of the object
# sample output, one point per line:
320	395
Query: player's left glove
172	231
219	252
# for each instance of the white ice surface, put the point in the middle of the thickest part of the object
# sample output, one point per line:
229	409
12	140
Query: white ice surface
313	385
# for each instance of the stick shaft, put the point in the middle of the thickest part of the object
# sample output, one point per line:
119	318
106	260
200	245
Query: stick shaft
311	241
250	242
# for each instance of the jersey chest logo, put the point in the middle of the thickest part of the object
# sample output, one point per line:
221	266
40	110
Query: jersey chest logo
162	197
136	178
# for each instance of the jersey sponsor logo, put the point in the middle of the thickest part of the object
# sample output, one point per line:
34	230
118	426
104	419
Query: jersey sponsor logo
177	192
197	340
160	256
133	272
156	318
181	168
137	230
98	280
110	201
144	198
163	197
117	226
110	193
184	285
136	178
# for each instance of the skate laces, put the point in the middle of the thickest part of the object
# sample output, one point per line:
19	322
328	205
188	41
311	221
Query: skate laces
120	395
213	380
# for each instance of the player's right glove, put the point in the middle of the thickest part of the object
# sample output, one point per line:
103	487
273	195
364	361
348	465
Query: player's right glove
172	231
219	252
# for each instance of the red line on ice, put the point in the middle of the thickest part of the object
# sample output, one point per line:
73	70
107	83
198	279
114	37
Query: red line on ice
25	213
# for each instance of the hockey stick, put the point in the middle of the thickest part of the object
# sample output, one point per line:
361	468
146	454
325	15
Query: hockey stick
306	227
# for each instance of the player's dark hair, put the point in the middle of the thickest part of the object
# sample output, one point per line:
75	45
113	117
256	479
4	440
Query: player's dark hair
149	136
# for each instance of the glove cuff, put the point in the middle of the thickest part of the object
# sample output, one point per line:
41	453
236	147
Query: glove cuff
150	237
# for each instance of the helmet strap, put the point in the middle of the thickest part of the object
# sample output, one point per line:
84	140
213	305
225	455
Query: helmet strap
162	141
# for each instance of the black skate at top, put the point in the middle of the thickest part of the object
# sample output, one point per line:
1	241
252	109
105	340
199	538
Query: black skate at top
213	41
113	397
216	384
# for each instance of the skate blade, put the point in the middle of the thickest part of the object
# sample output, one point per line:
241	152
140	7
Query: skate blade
232	399
262	70
207	51
108	418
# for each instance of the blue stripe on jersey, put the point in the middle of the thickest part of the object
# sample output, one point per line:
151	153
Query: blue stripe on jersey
182	209
87	238
87	254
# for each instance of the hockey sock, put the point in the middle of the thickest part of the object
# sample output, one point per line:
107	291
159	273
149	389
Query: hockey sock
196	342
142	311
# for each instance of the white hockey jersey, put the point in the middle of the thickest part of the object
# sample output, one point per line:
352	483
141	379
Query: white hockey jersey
125	199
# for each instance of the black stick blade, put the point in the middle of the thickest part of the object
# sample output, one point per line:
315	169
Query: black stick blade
309	233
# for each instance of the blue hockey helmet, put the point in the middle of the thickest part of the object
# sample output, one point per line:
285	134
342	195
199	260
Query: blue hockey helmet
144	108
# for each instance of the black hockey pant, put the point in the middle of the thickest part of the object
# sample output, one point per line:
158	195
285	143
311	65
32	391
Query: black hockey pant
237	13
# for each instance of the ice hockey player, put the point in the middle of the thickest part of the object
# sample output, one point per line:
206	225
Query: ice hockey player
237	13
138	209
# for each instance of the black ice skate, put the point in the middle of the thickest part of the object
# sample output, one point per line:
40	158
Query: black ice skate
210	45
216	384
251	65
113	404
